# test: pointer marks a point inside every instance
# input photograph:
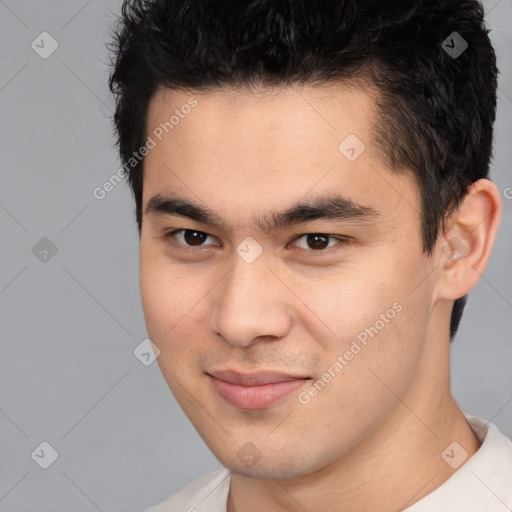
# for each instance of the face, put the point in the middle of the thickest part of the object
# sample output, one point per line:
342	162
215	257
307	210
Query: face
282	328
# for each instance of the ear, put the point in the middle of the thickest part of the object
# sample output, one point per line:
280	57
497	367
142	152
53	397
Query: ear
464	249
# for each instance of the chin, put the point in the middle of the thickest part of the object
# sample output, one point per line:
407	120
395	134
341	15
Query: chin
269	472
275	467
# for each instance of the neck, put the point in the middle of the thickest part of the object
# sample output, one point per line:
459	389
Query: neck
396	466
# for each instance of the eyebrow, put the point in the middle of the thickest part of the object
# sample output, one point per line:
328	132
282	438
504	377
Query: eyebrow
327	207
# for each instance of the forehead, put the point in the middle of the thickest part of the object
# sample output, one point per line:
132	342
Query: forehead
264	147
274	115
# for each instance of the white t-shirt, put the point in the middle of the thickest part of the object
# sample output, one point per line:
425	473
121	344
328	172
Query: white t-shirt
482	484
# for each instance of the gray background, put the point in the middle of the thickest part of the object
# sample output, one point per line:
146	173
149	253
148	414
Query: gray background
69	325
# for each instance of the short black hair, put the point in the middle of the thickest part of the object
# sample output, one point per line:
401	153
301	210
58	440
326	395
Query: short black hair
436	97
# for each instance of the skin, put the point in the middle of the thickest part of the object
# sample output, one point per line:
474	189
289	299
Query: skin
372	438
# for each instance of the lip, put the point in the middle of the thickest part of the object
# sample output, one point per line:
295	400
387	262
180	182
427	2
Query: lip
253	391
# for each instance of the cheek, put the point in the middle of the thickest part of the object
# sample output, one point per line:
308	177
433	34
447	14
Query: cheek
174	299
164	294
159	281
168	295
376	319
341	303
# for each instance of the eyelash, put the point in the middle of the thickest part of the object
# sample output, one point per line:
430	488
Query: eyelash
341	240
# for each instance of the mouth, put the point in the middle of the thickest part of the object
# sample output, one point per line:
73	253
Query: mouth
253	391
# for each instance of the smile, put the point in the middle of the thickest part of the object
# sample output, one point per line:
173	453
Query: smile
254	391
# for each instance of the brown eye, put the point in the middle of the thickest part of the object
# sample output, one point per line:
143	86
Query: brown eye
318	242
187	237
194	237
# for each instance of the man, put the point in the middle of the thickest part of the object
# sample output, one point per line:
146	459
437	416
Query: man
311	193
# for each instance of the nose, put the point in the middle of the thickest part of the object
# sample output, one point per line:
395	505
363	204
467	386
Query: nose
250	304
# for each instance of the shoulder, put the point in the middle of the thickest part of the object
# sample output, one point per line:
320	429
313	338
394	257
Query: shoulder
483	483
207	493
494	444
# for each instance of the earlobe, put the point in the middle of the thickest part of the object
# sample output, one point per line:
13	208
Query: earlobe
465	247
